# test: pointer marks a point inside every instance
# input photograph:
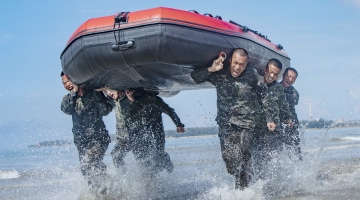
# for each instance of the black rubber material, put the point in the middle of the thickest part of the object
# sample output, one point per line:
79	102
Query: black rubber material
162	57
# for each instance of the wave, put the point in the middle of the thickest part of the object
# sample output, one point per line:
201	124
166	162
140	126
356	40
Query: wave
9	174
347	138
333	148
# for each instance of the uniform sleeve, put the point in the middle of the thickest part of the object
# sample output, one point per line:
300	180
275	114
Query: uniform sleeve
284	109
296	97
68	104
201	75
102	103
296	101
165	108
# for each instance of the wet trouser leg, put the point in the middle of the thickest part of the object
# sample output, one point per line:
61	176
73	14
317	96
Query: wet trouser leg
292	140
259	155
119	152
235	149
91	155
144	150
162	157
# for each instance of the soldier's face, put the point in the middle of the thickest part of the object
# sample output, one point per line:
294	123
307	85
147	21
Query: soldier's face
289	79
68	85
238	64
114	94
271	74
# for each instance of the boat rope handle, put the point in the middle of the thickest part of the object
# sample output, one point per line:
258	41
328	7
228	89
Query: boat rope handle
121	18
118	20
245	29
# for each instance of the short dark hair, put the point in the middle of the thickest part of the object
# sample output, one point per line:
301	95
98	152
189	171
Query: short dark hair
291	69
274	62
242	52
62	74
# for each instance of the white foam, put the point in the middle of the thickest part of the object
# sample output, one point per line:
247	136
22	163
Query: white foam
9	174
351	138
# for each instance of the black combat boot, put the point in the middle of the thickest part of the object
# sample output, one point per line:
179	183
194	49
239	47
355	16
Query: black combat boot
241	182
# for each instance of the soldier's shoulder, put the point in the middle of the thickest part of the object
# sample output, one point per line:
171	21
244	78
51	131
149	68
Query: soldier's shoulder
278	85
251	70
294	90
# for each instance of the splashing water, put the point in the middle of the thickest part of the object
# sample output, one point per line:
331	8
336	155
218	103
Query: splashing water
329	169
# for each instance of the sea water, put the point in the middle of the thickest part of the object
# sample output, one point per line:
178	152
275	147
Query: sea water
330	169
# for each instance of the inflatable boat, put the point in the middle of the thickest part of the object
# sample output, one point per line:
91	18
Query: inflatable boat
157	49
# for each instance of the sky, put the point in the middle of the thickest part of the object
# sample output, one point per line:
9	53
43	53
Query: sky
322	38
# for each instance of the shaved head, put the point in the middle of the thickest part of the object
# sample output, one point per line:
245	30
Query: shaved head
241	52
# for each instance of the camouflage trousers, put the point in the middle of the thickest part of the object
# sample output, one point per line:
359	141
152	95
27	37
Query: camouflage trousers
148	148
266	145
235	148
91	155
121	148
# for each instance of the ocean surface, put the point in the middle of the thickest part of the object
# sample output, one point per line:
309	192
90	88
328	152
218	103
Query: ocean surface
330	170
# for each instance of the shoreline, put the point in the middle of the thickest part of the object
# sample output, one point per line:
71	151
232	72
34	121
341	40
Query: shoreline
340	127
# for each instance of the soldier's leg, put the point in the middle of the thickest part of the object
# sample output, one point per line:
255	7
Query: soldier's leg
92	162
292	141
235	148
162	157
296	143
259	155
144	150
96	155
119	152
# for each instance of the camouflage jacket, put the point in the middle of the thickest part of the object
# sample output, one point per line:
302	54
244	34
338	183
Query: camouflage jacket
153	108
292	97
279	104
144	114
87	112
237	98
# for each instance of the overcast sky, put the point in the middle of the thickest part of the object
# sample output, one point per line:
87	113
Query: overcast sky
321	37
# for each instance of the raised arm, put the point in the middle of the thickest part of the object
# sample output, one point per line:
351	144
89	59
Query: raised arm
204	74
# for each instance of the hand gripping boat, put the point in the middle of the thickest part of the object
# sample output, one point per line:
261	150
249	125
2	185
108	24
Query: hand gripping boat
157	49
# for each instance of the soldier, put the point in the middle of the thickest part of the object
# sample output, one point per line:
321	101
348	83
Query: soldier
267	143
154	106
237	88
139	115
292	139
87	107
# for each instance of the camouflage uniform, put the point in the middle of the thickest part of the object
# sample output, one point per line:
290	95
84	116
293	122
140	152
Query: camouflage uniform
146	131
90	135
122	145
266	141
236	104
154	106
292	139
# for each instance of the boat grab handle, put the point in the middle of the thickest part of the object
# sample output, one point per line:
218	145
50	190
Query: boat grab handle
122	45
